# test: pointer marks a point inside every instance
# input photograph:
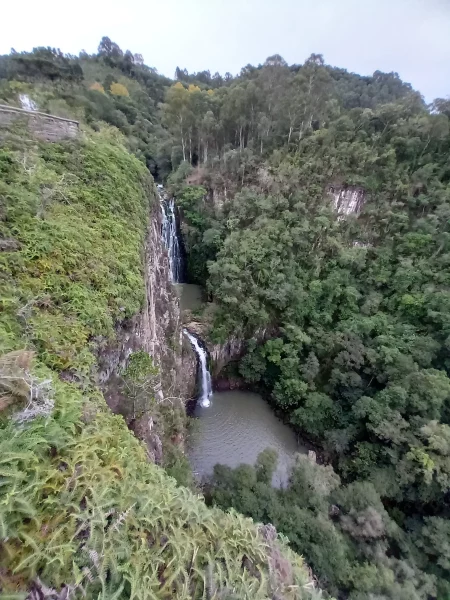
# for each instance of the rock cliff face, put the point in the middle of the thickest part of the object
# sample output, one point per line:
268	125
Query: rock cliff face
347	200
221	355
233	349
157	329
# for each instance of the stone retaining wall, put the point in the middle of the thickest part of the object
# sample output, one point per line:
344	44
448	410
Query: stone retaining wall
48	128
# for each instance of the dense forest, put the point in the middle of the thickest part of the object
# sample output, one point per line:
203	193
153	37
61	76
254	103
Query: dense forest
353	306
346	312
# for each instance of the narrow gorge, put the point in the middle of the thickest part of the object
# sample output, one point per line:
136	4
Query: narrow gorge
234	427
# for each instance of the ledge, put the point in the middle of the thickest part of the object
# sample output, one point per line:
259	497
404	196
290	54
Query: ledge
23	111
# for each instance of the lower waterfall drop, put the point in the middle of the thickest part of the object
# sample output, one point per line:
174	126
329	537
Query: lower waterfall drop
205	376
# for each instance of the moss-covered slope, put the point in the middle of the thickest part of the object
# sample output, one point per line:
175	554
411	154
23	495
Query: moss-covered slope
78	215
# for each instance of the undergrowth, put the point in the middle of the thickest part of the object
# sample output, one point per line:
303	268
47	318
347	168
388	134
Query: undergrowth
85	510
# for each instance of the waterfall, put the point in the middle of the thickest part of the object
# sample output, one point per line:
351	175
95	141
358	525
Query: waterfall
205	376
170	236
171	241
27	103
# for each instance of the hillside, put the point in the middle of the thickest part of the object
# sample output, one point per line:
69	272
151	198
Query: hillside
314	207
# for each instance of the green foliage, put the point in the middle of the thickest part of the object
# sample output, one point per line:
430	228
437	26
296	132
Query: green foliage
86	510
344	532
201	232
317	415
71	86
139	367
80	232
352	310
117	89
252	366
177	465
82	510
177	178
42	62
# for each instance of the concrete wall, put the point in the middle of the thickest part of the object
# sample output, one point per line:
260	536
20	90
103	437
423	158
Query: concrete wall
48	128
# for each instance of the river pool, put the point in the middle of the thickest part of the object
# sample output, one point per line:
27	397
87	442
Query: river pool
191	296
234	429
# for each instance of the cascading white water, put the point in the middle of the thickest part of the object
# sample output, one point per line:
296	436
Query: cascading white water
170	238
27	103
205	376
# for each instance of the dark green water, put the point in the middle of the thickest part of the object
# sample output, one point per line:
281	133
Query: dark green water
191	297
234	429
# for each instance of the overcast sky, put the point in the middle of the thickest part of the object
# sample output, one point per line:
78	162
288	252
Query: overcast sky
411	37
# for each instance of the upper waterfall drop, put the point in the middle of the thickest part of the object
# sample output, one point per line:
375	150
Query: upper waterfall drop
205	375
170	235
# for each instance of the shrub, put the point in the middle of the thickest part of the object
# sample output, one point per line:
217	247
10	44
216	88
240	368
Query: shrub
118	89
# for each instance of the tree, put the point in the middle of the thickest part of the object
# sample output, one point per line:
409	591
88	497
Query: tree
265	465
118	89
105	46
108	48
177	114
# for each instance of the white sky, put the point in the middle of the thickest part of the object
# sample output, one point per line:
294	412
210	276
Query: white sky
411	37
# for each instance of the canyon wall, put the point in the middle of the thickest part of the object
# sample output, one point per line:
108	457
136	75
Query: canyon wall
157	329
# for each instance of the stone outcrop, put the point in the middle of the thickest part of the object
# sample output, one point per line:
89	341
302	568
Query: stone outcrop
48	128
221	355
347	200
232	350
